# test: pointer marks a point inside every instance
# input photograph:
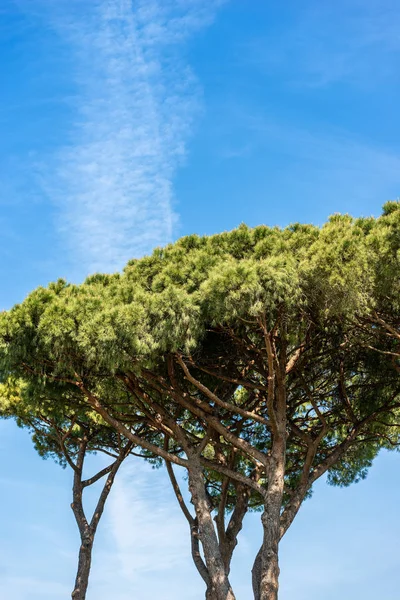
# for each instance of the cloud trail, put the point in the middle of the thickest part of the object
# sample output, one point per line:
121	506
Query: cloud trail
136	101
146	540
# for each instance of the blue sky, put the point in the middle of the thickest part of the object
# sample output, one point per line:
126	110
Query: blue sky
125	125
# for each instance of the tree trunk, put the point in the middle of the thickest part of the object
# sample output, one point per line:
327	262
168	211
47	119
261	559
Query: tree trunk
210	594
228	538
84	563
269	583
219	581
270	519
256	575
88	530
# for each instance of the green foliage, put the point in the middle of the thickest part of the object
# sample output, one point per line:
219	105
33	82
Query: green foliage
56	418
166	301
205	297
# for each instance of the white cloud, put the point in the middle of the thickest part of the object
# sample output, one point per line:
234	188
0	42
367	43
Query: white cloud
145	522
135	103
145	541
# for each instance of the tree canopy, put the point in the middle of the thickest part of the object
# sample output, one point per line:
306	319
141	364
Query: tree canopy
260	359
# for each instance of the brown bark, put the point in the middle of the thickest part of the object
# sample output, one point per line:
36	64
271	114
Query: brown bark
227	539
219	581
276	403
269	583
194	528
210	594
256	575
84	564
88	530
270	519
143	443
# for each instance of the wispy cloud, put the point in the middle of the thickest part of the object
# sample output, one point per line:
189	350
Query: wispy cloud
141	523
149	540
136	98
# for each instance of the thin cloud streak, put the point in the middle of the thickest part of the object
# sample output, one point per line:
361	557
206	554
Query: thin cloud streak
146	543
136	102
145	523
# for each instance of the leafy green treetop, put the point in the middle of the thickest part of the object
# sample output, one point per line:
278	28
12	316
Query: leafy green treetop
242	350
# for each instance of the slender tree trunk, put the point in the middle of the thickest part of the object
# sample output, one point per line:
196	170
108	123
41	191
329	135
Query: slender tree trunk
87	534
256	575
269	582
219	581
199	563
265	578
276	403
227	539
88	530
87	539
84	564
227	536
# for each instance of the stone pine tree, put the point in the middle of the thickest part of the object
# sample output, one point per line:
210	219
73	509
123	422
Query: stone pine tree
380	328
63	429
243	351
378	331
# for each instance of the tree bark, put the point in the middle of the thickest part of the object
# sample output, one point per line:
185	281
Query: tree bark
219	582
276	404
269	581
84	564
256	575
210	594
227	539
88	530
